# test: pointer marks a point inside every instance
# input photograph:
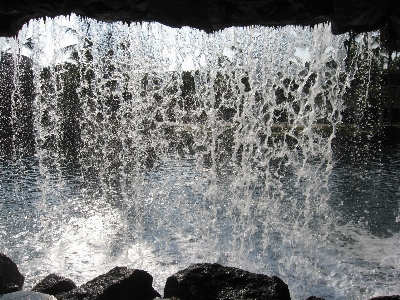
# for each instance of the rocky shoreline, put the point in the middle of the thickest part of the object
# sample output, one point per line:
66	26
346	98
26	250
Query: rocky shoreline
197	282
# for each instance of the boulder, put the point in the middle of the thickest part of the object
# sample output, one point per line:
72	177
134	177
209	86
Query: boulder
213	281
392	297
54	284
27	296
11	280
120	283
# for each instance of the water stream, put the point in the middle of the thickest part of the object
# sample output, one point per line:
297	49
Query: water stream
156	148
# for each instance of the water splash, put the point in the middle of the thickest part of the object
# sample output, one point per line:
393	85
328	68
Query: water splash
157	148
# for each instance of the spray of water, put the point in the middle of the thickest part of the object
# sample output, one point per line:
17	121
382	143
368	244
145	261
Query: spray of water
157	148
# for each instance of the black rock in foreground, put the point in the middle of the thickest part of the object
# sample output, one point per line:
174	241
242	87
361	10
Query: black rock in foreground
54	284
198	282
213	281
11	280
120	283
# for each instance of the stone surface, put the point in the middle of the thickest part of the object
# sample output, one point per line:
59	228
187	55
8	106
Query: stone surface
392	297
120	283
54	284
360	15
212	15
29	295
213	281
11	280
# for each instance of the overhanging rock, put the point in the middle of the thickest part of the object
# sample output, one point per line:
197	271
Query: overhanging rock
212	15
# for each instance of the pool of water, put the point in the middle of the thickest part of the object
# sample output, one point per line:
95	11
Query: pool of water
56	218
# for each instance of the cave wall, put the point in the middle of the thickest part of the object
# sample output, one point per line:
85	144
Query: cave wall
212	15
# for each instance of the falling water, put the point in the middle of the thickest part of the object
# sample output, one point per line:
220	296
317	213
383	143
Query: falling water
156	148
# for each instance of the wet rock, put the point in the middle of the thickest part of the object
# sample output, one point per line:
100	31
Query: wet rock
54	284
120	283
345	15
392	297
213	281
11	280
27	296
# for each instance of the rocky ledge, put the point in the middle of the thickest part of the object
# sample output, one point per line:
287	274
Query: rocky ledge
197	282
344	15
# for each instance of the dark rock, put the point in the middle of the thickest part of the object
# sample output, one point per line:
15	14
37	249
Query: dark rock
314	298
359	16
27	295
54	284
120	283
345	15
213	281
11	280
392	297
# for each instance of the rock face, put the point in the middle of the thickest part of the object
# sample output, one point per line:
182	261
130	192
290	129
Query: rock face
27	295
213	281
11	280
120	283
393	297
212	15
54	284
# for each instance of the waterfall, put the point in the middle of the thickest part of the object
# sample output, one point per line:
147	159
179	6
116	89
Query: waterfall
156	148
